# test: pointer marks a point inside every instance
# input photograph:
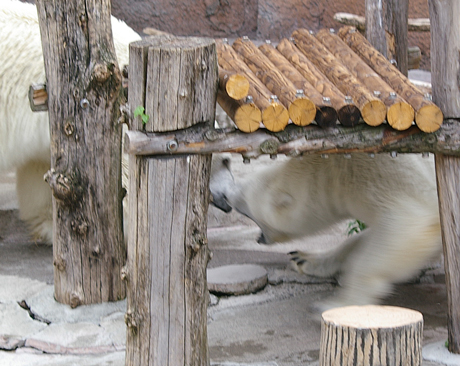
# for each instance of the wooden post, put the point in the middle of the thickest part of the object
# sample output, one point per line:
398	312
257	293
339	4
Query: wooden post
445	67
176	80
84	95
386	29
371	335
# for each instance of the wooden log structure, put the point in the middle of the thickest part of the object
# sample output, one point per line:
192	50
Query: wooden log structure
275	116
371	335
373	110
326	115
348	113
235	85
400	114
445	67
167	252
302	110
428	116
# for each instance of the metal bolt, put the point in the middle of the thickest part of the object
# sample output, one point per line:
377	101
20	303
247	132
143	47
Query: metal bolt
394	62
291	39
225	40
273	99
245	38
348	99
172	145
299	93
249	99
325	156
311	32
393	154
331	30
372	155
347	156
377	94
326	100
84	103
425	155
267	41
428	96
353	30
246	160
393	95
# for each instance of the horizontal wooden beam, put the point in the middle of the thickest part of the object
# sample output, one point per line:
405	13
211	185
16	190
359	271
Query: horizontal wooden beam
296	140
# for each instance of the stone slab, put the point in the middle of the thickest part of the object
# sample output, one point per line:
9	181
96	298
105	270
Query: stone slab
237	279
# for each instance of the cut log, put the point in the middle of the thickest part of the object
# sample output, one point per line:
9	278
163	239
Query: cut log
302	111
235	85
275	116
348	113
326	115
373	110
427	115
371	335
400	114
246	115
359	22
38	97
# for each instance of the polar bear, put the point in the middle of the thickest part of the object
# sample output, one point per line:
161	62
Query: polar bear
395	197
24	135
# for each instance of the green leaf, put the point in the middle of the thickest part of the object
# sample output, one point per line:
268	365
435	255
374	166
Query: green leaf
139	111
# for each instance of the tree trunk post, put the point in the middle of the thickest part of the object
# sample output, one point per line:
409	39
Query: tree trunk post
445	67
175	80
386	29
84	91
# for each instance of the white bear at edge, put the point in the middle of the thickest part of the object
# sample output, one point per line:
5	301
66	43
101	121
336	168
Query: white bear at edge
395	197
24	135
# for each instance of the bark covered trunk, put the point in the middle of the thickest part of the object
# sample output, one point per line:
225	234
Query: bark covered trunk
83	84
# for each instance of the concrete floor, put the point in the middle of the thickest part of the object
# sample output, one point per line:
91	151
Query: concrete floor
272	327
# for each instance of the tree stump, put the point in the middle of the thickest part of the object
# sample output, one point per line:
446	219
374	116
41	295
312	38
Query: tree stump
175	80
371	335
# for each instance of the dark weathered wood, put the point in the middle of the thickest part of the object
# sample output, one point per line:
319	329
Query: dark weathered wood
84	102
371	335
301	110
386	29
445	64
326	115
348	113
295	140
372	109
400	114
275	116
427	115
167	256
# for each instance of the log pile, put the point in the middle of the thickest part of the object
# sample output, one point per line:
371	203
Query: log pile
325	79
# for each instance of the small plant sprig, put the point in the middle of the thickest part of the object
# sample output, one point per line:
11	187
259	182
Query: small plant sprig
140	111
355	227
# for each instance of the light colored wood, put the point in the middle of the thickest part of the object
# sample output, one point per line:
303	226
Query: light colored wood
445	66
372	109
400	114
326	115
427	115
38	97
167	256
301	110
246	115
371	335
275	116
84	102
386	29
359	22
348	114
235	85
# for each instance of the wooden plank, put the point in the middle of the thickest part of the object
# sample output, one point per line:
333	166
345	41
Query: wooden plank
445	25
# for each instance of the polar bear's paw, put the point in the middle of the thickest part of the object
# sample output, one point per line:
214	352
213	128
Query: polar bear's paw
314	264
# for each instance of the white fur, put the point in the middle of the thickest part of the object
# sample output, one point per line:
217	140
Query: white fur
395	197
24	135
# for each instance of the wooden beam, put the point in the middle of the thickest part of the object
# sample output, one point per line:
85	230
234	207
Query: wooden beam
400	114
372	109
445	67
427	115
348	113
302	110
275	116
